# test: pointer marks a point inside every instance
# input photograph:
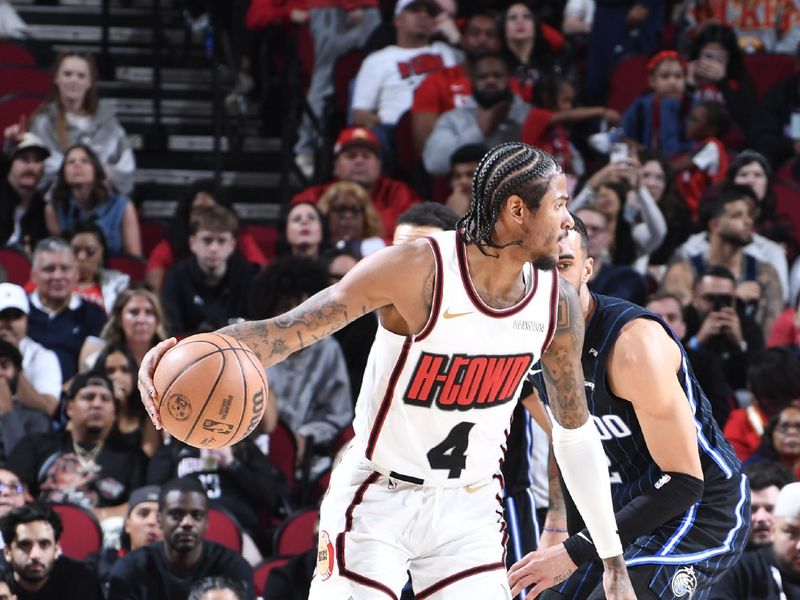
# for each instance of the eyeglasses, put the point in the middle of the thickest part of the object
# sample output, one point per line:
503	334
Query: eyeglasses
350	210
785	427
14	489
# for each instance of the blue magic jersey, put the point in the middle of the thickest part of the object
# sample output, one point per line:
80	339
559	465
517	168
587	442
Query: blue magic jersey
711	534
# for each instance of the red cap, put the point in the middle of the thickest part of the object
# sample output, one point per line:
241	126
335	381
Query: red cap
357	136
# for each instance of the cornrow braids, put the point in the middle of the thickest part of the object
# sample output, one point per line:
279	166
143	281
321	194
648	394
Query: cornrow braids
509	169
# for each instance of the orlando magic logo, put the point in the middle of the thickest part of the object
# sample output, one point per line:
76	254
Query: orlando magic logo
684	582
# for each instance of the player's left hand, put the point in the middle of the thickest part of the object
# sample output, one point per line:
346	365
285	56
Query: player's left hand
540	570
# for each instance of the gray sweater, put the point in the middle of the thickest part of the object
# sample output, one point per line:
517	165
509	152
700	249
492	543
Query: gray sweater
459	126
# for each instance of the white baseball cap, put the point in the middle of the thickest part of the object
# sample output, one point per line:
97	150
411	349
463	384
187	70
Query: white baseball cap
404	4
13	296
788	502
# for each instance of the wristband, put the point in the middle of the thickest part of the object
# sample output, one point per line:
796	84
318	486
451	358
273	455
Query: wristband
555	529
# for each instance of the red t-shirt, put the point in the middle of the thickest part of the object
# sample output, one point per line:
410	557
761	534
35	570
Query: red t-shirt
740	432
785	331
391	198
447	89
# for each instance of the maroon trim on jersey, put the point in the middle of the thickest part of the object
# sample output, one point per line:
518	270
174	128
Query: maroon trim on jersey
348	525
436	301
463	267
551	331
387	398
439	585
501	513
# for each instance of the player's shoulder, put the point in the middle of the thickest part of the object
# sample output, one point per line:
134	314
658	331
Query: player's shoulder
643	340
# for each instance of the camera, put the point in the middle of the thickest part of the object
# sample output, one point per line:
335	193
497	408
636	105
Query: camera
719	301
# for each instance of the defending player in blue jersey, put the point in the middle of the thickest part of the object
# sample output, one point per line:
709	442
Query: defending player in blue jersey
681	500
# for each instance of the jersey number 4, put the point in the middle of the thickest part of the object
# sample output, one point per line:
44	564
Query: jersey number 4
451	452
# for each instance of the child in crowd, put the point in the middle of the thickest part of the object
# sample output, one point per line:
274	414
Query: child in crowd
707	162
655	120
547	124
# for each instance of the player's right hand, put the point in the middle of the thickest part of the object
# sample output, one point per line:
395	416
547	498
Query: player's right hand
147	389
616	583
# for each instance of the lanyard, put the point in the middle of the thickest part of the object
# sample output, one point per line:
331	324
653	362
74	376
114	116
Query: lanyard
776	575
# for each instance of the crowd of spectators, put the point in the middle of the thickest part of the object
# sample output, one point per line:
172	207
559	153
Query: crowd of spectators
679	191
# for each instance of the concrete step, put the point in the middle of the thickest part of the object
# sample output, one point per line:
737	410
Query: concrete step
92	34
155	208
188	176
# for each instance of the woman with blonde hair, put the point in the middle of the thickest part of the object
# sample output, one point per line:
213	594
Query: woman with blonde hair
137	322
353	223
73	113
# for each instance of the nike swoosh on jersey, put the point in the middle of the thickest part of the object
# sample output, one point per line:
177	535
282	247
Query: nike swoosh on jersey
451	315
471	489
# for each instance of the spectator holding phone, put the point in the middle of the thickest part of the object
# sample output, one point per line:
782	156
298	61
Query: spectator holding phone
714	324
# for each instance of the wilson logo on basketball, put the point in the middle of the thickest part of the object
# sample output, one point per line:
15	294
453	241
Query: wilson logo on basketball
464	382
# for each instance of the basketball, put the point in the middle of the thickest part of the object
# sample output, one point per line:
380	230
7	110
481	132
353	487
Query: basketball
212	390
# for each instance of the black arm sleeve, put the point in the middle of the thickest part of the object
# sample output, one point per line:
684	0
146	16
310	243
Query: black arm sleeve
670	496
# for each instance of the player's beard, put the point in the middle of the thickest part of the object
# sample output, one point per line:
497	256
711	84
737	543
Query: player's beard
545	263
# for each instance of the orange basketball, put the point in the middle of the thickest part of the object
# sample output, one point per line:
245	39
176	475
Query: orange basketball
212	390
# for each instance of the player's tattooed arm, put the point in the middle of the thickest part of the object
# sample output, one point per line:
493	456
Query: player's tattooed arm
274	339
561	362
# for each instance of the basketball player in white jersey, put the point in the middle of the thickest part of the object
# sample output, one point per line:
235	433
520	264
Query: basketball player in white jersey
463	316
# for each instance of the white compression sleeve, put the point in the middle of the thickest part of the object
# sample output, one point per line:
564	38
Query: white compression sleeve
584	467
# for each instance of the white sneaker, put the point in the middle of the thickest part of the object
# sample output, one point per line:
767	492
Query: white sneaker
305	162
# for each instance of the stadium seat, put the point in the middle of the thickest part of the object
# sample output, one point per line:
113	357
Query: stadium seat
262	570
265	236
628	82
18	79
319	486
788	203
283	451
344	72
132	265
17	265
82	534
296	534
152	232
342	439
765	70
16	55
223	528
13	106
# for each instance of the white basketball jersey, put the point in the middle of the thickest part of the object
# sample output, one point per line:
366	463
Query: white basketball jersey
437	406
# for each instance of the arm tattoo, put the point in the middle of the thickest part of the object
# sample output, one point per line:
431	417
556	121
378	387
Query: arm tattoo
561	362
275	339
557	508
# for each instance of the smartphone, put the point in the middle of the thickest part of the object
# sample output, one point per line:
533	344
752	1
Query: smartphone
794	126
618	152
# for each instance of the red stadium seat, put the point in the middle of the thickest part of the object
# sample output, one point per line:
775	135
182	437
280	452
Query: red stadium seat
13	106
768	69
283	451
262	570
788	203
265	236
16	80
82	534
132	265
14	54
224	529
344	72
16	264
152	232
296	534
628	82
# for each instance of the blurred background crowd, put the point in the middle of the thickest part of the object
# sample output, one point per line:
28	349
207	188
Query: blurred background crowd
170	167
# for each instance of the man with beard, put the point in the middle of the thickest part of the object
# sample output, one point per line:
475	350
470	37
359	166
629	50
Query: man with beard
450	87
166	570
767	479
83	464
21	205
32	552
730	218
772	572
492	115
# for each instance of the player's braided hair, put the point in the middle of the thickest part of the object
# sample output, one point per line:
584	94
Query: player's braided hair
508	169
